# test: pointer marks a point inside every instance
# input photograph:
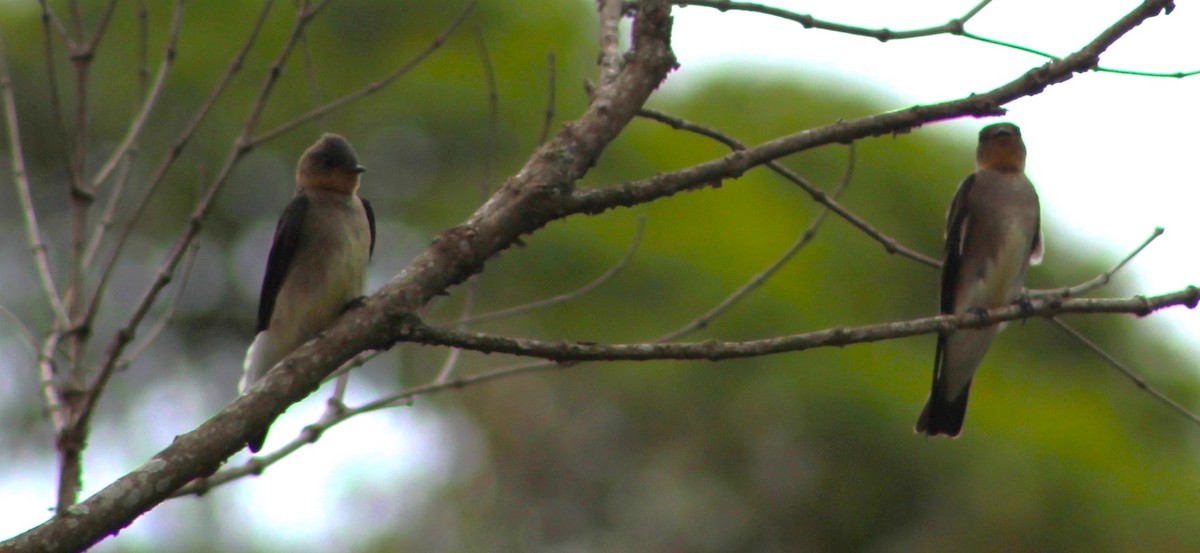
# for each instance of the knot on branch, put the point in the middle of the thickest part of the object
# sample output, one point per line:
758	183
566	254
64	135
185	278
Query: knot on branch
1146	307
312	433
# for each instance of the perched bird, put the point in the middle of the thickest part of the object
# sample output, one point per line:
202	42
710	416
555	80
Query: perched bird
318	259
993	234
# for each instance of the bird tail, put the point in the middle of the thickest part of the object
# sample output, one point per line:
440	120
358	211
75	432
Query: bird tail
943	415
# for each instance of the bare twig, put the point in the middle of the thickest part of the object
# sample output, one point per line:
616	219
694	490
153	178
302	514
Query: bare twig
1126	371
954	26
101	27
168	317
33	231
1098	69
371	88
339	414
634	243
310	72
471	294
951	27
758	279
418	332
139	121
1100	280
891	245
46	382
355	362
110	207
50	22
26	334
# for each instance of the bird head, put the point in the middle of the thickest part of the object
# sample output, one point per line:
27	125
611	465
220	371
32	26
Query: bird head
330	164
1001	148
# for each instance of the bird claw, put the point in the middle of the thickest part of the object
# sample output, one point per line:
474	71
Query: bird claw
982	314
1026	305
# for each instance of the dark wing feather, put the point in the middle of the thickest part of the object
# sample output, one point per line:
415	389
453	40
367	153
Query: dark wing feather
371	223
279	261
954	237
937	410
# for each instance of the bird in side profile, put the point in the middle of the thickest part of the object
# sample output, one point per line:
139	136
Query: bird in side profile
993	234
318	259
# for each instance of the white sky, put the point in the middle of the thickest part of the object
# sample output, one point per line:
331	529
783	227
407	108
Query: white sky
1110	155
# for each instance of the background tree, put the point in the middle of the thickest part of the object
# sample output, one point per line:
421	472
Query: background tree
135	178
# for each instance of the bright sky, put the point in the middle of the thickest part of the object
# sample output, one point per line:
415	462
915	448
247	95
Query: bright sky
1109	156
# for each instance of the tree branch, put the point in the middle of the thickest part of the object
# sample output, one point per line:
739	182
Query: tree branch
418	332
711	173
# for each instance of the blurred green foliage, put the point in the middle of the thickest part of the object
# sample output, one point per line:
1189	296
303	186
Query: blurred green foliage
810	451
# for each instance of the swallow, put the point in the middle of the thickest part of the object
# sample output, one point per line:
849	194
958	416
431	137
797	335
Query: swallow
318	261
993	235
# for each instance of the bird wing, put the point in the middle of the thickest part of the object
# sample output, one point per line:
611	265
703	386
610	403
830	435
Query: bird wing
371	223
956	235
283	252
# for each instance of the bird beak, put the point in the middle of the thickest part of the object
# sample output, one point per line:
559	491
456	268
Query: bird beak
359	169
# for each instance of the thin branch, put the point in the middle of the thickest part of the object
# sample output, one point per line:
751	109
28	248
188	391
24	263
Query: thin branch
26	334
471	294
47	383
1098	69
369	89
33	231
310	72
49	21
634	244
339	414
954	26
109	214
168	317
139	121
101	27
416	331
1100	280
353	363
757	280
890	245
1126	371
